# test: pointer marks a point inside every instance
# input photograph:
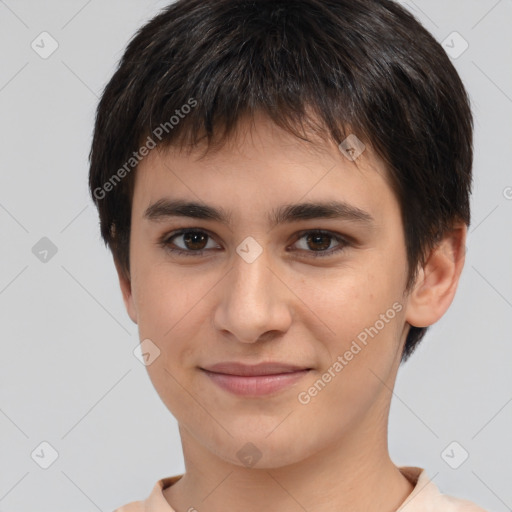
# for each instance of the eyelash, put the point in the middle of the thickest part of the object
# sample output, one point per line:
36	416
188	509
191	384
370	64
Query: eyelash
165	242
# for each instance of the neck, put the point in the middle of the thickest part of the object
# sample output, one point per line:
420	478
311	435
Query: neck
356	474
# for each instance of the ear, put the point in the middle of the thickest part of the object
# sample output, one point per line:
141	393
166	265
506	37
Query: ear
437	280
126	290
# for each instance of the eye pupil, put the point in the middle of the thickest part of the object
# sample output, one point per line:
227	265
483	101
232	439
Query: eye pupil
316	239
191	238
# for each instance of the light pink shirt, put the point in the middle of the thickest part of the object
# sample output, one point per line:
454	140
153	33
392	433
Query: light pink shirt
425	497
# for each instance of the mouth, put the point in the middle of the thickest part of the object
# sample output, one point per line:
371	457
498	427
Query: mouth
255	380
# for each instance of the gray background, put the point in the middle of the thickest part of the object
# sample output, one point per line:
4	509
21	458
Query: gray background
68	375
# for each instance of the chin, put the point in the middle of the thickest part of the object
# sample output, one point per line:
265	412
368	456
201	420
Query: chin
261	450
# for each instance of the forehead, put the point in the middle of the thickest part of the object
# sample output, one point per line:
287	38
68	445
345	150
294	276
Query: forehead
261	165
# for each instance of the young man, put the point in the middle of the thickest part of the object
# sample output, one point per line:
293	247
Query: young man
284	186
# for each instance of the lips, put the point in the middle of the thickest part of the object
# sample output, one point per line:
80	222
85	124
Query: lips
254	380
244	370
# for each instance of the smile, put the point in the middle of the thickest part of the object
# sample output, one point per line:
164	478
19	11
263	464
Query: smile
257	380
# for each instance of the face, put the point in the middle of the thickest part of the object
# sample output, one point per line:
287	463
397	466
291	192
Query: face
249	281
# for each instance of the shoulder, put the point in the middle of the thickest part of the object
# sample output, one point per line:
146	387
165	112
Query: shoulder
426	496
155	501
135	506
451	504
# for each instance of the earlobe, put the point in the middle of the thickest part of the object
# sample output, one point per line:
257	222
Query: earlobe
126	290
438	279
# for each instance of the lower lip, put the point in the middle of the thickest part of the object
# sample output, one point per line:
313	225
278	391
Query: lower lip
256	385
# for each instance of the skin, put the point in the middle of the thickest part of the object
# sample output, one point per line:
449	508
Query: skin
330	454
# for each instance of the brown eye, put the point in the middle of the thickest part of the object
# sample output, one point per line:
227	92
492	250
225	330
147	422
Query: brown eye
195	240
191	242
317	243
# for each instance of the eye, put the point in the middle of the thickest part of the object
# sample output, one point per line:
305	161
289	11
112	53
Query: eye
318	241
194	242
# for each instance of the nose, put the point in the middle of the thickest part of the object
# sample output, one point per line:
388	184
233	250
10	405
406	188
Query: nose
253	301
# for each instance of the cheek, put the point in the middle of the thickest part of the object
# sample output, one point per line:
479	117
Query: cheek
360	356
154	291
164	300
365	312
170	314
172	306
354	301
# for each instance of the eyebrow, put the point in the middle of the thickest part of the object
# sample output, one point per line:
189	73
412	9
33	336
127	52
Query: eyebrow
165	208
